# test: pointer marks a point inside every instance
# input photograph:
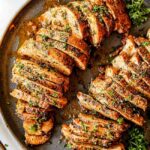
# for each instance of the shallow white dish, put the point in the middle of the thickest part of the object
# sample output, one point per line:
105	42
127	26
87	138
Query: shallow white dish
8	10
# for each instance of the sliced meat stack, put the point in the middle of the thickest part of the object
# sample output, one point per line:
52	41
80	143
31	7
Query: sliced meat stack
91	132
39	90
46	60
90	20
119	96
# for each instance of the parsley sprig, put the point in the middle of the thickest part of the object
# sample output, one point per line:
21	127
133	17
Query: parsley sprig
138	12
136	139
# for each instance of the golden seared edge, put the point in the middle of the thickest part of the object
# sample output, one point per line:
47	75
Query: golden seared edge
64	37
36	140
64	16
84	134
97	29
44	52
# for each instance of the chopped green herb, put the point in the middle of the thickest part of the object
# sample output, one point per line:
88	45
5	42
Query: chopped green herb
134	76
129	98
67	28
100	9
94	112
136	139
95	128
68	146
55	95
109	135
43	36
32	103
42	119
20	66
54	103
111	92
120	120
64	15
147	43
34	128
144	73
113	102
93	32
51	44
119	77
138	12
65	46
110	59
84	126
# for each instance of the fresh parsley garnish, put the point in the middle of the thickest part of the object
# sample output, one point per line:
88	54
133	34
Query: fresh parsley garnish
32	103
34	128
100	9
147	43
67	28
138	12
136	139
120	120
84	126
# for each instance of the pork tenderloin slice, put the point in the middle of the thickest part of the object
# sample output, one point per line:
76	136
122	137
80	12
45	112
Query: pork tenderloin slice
33	101
32	127
136	100
43	73
137	83
108	135
141	69
37	77
132	64
96	130
39	118
122	88
97	30
143	42
44	53
103	14
103	122
50	96
79	58
145	54
89	103
109	97
35	87
25	107
118	11
81	146
36	140
64	37
125	81
121	108
64	16
66	131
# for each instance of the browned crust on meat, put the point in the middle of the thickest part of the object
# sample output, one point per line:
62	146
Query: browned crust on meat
49	76
36	140
66	131
103	122
65	37
91	104
32	127
118	11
